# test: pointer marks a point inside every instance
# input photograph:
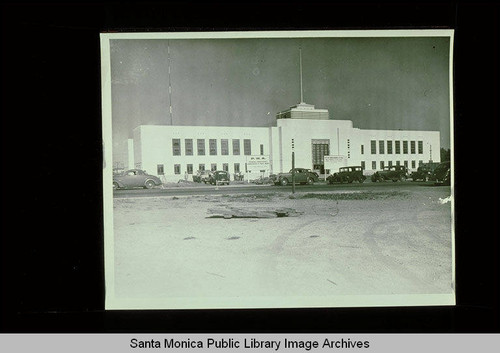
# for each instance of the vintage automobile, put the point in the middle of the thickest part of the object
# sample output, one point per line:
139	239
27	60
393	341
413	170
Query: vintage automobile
442	174
424	171
202	176
135	178
219	177
347	175
302	176
394	173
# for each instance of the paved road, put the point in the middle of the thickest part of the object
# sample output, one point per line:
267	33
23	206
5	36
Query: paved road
252	188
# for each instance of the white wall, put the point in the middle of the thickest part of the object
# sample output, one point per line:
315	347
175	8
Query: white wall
303	131
153	145
157	147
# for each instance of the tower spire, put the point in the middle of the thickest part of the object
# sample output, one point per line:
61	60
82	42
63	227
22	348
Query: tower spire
301	92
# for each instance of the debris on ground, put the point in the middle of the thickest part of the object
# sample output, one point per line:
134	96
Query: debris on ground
229	212
445	200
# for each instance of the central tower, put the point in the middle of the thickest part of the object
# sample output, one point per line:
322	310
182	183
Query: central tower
303	110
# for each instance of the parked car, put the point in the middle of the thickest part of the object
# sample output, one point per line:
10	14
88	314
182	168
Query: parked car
219	177
424	171
202	176
313	172
302	176
394	173
347	175
238	176
442	174
134	178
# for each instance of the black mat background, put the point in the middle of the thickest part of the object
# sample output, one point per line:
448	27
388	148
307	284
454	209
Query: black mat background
52	241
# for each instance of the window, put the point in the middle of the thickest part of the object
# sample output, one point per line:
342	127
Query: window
420	147
398	147
190	168
413	164
224	147
363	165
348	148
176	147
374	165
247	147
420	163
201	167
389	147
236	147
381	147
261	150
201	147
160	170
319	151
225	167
362	149
236	167
177	169
188	147
398	163
373	144
406	164
213	167
405	147
390	163
212	145
381	164
412	147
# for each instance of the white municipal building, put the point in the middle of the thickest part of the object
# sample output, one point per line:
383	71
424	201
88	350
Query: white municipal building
177	152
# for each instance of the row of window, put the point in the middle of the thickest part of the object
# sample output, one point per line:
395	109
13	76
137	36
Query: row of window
212	147
391	163
160	169
384	146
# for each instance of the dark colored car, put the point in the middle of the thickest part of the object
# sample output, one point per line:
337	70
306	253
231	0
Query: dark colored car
202	176
302	176
219	177
135	178
347	175
424	171
394	173
442	174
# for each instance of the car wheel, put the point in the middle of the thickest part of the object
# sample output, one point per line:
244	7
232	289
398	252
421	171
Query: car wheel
402	178
115	186
361	180
149	184
284	182
310	181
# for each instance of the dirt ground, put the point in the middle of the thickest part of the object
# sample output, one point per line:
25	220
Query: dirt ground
341	243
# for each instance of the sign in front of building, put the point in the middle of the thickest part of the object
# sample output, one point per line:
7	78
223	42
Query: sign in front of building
258	163
333	163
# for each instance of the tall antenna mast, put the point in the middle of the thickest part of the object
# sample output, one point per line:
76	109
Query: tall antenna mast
301	92
169	84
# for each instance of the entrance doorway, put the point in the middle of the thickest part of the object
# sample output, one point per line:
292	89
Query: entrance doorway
320	149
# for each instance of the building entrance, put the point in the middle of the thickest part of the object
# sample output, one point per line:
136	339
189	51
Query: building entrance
320	149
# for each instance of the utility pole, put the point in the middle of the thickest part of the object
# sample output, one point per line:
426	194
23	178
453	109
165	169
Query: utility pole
300	64
169	84
293	166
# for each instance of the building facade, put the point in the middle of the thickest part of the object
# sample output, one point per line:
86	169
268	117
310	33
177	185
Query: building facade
177	152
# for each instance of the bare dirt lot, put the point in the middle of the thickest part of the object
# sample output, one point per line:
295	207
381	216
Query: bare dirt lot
387	242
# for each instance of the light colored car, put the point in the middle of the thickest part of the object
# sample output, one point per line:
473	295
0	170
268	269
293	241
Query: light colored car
135	178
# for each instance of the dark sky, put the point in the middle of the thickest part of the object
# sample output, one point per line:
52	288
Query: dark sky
378	83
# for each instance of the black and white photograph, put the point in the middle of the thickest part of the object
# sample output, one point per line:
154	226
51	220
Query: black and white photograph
279	169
